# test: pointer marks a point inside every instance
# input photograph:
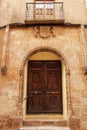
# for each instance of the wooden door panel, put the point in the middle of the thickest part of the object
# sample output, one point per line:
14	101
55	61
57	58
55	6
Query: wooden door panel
56	65
53	102
36	65
35	87
53	78
35	103
36	80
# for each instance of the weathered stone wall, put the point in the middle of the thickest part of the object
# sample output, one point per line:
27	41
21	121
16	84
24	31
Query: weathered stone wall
23	40
14	11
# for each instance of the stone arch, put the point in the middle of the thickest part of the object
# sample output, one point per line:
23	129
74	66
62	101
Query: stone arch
41	49
67	73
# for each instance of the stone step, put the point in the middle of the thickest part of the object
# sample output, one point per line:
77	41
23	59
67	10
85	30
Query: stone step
58	123
44	128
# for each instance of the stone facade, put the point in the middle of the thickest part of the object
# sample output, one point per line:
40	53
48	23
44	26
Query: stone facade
19	42
22	41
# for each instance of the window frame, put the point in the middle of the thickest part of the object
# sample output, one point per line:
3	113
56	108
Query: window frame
48	6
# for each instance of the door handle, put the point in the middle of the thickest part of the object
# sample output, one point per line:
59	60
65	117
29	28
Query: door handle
35	92
53	92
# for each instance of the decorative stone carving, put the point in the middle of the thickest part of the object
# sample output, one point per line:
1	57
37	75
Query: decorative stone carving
52	29
36	29
45	31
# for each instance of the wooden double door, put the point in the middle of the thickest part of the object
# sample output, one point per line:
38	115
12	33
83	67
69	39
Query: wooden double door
44	87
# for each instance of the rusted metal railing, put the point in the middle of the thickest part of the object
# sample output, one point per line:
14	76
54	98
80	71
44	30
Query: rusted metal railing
44	11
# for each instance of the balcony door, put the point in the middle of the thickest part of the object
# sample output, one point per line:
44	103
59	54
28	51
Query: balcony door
44	87
44	9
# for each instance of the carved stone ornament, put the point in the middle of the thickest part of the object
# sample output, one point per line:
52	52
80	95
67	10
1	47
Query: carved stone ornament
45	31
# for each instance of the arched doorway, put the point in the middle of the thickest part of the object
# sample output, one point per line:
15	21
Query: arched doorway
45	86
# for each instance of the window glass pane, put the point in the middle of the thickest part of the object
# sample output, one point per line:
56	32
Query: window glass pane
39	5
49	5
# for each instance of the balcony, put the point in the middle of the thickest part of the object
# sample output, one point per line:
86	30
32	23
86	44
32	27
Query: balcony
44	13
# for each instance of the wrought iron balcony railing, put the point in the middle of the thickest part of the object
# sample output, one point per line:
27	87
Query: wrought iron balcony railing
43	12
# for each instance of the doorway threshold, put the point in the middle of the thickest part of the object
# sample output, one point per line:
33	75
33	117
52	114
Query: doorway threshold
52	122
44	117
